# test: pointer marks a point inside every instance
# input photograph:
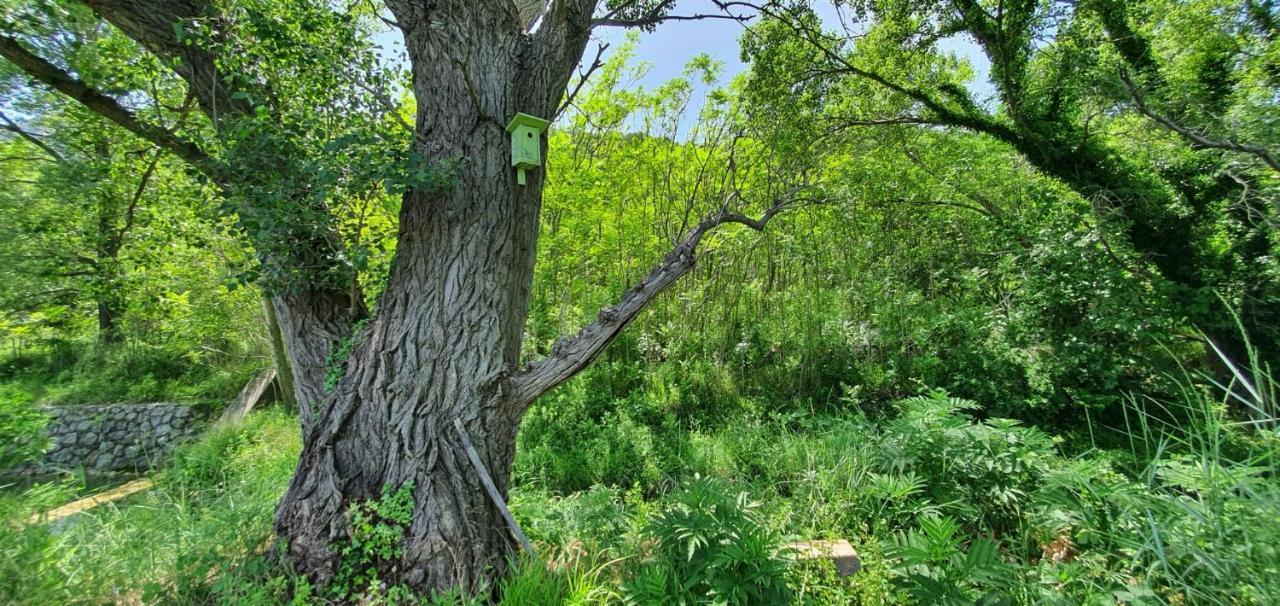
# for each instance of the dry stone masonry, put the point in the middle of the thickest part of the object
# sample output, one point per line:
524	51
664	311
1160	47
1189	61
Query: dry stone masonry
116	437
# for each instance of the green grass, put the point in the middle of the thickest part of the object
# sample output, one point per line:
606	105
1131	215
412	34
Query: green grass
87	373
208	511
943	506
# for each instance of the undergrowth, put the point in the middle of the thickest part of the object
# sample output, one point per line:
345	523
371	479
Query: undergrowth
943	506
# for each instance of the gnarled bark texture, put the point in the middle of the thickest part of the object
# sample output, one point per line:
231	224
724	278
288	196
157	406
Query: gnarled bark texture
445	341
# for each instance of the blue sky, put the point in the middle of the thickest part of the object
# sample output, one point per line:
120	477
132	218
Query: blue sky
674	43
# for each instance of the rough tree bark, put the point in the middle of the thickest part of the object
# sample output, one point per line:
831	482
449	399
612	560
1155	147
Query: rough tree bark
445	342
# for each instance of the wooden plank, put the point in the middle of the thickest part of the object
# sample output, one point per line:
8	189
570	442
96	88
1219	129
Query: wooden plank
840	553
90	502
248	398
491	489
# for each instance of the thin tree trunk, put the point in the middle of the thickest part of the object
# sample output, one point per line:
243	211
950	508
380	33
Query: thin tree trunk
285	388
107	286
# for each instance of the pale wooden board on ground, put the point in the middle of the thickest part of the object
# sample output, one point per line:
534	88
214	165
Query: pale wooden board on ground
840	553
90	502
248	398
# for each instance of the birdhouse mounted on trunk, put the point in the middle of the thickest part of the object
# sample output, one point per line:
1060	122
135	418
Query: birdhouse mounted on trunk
526	143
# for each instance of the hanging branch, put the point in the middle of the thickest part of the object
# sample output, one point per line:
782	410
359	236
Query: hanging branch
107	107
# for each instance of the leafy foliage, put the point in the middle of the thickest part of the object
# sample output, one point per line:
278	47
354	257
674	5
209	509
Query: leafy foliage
709	547
375	542
21	428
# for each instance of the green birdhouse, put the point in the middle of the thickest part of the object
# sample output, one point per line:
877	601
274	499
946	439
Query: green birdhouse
526	143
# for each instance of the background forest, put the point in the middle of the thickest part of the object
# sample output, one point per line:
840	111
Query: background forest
1016	349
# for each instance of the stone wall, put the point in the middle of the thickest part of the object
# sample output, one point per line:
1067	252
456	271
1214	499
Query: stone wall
115	437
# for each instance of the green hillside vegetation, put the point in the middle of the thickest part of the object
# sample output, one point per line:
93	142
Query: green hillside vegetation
1015	350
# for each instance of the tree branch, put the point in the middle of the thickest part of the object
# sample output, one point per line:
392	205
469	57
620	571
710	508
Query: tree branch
569	356
583	76
13	127
967	117
107	107
1192	137
657	15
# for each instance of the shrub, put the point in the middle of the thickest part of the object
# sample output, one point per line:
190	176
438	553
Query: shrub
935	567
375	542
987	468
708	547
596	516
22	426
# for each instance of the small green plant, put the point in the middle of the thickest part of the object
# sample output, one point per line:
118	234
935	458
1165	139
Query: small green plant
376	540
708	546
935	568
336	362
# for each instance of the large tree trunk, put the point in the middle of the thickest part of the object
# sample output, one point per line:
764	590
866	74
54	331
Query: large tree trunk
446	337
445	342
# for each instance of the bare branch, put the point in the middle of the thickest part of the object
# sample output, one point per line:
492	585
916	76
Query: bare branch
569	356
13	127
583	76
107	107
657	15
1192	137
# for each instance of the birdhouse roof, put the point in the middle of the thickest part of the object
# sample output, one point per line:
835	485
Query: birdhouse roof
523	119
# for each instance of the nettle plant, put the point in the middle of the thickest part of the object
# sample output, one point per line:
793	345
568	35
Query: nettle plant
709	547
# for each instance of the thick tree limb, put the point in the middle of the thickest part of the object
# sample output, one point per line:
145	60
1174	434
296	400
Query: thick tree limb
569	356
154	24
107	107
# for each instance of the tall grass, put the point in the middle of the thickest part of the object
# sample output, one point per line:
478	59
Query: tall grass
1209	463
209	511
941	503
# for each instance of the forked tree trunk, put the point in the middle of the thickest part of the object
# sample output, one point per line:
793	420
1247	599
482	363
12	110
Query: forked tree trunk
445	340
